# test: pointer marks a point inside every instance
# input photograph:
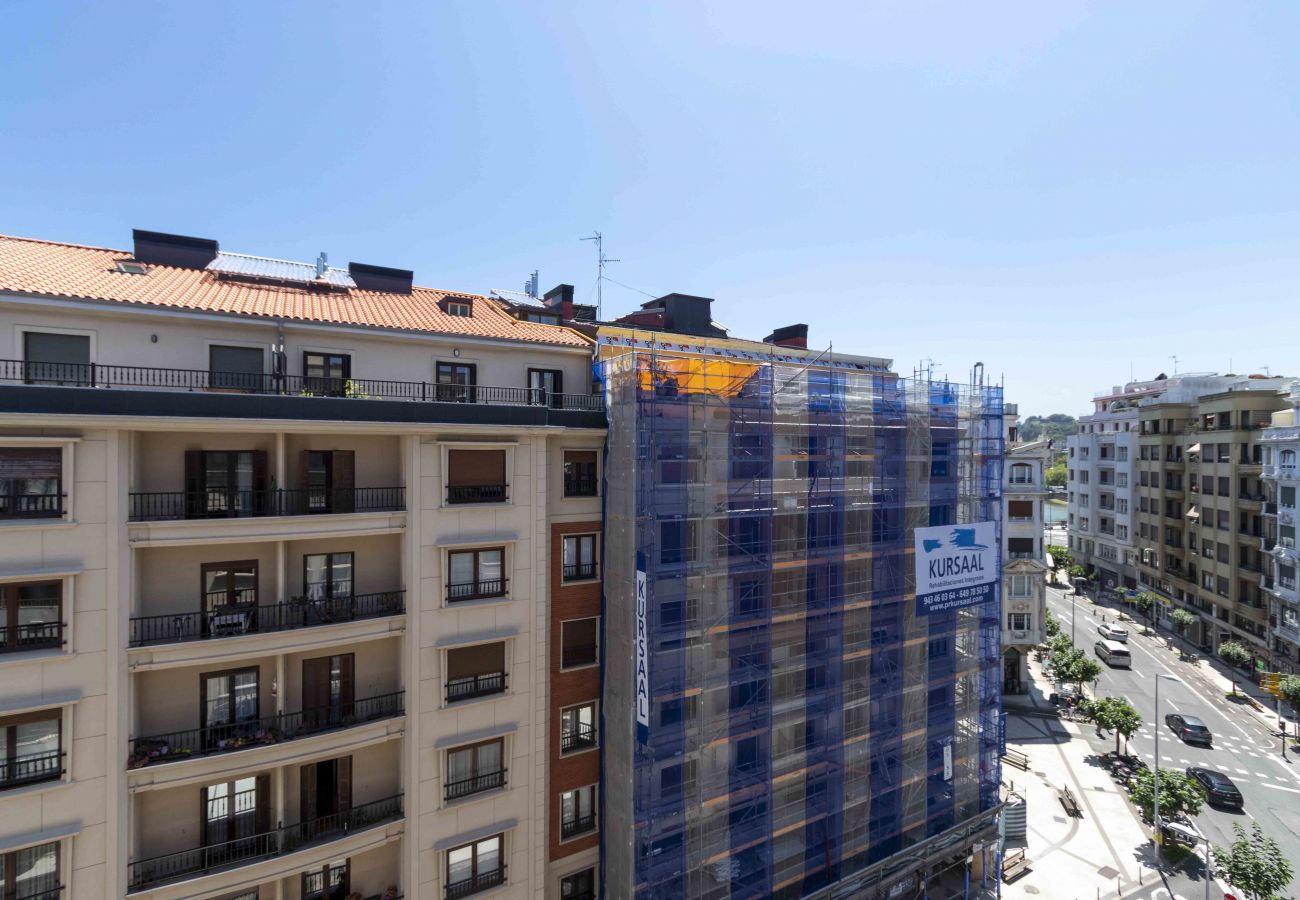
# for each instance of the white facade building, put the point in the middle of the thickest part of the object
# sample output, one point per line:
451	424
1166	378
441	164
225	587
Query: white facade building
1281	477
1024	569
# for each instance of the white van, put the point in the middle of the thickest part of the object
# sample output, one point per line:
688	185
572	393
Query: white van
1114	654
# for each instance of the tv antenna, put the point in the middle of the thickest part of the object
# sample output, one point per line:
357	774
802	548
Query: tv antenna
1175	359
601	261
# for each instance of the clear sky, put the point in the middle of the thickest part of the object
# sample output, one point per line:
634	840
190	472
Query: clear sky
1060	190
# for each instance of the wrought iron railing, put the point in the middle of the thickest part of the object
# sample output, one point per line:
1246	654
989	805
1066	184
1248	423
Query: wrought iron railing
195	742
578	655
581	486
31	769
581	738
204	860
99	375
476	784
478	493
477	883
471	686
32	636
577	825
221	503
477	590
232	621
17	504
579	571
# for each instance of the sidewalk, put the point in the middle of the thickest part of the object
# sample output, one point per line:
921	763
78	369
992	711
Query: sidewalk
1106	852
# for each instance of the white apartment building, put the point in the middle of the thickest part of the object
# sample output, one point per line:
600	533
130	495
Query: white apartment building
282	548
1281	478
1024	565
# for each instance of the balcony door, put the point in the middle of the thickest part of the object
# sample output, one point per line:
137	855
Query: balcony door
330	882
325	791
230	706
327	584
234	812
328	691
545	386
326	374
329	481
476	768
225	483
31	616
455	382
50	358
229	597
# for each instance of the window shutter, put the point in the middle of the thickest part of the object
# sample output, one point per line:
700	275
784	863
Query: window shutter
343	472
195	501
260	498
347	682
344	787
306	793
263	803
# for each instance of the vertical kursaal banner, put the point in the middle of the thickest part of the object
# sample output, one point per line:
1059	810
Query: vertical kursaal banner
642	655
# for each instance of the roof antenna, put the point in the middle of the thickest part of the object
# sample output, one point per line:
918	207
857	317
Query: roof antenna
601	260
1175	359
530	286
322	263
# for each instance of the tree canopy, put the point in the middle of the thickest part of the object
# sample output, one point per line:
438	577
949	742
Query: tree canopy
1289	688
1179	795
1056	427
1254	864
1235	653
1118	715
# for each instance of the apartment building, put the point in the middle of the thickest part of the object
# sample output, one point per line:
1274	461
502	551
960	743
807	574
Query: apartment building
300	573
1201	504
1024	563
1281	478
1101	475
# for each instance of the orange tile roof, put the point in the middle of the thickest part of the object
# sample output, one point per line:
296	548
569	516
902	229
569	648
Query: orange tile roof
68	270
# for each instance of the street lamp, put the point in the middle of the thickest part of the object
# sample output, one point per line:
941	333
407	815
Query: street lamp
1155	780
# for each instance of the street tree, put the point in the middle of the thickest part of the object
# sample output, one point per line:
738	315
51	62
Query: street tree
1076	571
1235	653
1182	620
1059	644
1050	626
1254	864
1289	688
1077	668
1179	795
1145	604
1062	558
1118	715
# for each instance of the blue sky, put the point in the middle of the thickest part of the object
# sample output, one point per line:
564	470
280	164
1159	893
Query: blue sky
1059	190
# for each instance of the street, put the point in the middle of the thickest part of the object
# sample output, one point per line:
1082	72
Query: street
1243	746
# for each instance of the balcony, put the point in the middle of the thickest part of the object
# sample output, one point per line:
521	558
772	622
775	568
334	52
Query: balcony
476	884
267	845
16	504
581	486
32	636
477	590
477	784
578	825
579	572
22	771
166	506
581	738
239	619
477	493
182	745
472	686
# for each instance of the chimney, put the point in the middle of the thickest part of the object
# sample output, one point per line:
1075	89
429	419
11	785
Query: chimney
789	336
381	278
561	297
164	249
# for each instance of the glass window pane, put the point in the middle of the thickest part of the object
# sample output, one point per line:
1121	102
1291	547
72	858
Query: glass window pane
462	568
460	765
35	739
219	702
460	864
489	854
341	574
36	870
489	565
245	696
570	551
317	568
489	757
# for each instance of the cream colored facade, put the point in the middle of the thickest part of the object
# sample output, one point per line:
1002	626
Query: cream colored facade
142	650
1024	559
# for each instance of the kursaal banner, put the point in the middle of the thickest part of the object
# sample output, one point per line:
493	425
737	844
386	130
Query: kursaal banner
956	566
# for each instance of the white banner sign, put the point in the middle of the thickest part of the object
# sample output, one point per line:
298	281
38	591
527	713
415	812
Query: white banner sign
956	566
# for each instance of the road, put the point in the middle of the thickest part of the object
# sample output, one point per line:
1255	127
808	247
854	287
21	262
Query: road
1244	749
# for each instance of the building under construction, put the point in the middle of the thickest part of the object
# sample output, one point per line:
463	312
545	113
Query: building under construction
780	716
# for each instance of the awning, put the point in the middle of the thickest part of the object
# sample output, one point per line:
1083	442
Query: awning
1195	448
1193	512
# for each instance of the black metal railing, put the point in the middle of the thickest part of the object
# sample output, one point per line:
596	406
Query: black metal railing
221	503
232	621
478	493
477	784
581	738
99	375
32	636
54	893
579	571
16	504
471	686
581	486
476	883
477	590
577	825
31	769
241	851
179	745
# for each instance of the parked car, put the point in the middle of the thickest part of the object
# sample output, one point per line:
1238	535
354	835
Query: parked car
1191	729
1219	789
1113	632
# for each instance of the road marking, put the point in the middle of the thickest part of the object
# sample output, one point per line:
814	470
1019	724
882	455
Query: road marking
1167	758
1278	787
1261	775
1186	762
1243	771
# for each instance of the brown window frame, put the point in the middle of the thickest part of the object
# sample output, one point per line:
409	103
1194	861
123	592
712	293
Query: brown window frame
475	767
323	871
454	391
9	870
9	750
10	630
475	874
329	563
578	574
326	385
478	594
596	645
595	728
204	568
577	479
204	677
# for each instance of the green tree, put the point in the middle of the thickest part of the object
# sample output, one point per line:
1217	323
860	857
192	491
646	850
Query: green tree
1062	558
1289	688
1179	795
1145	604
1055	475
1057	427
1050	626
1182	620
1118	715
1235	653
1254	864
1059	644
1076	571
1077	668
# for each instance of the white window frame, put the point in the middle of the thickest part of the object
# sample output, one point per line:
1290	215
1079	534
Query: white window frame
445	469
66	707
68	447
508	661
68	577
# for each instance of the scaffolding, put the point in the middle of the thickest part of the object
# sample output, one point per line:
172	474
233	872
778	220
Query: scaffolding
799	706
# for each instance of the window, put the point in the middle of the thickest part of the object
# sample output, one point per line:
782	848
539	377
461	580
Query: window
1020	510
330	882
577	812
545	387
127	267
31	482
1021	586
477	671
233	812
328	691
1121	479
578	643
236	368
475	867
1018	621
225	483
578	728
455	382
1022	473
1121	506
31	749
326	374
474	769
327	576
579	885
229	703
50	358
229	597
330	477
476	476
1121	453
458	307
31	616
677	541
476	574
1021	548
579	557
31	873
580	473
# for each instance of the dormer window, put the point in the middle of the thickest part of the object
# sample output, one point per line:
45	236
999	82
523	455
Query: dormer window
458	307
127	267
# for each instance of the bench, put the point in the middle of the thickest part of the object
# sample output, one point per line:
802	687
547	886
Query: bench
1016	758
1014	864
1070	803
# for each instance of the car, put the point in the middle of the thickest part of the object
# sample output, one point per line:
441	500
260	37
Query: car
1113	632
1219	789
1191	729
